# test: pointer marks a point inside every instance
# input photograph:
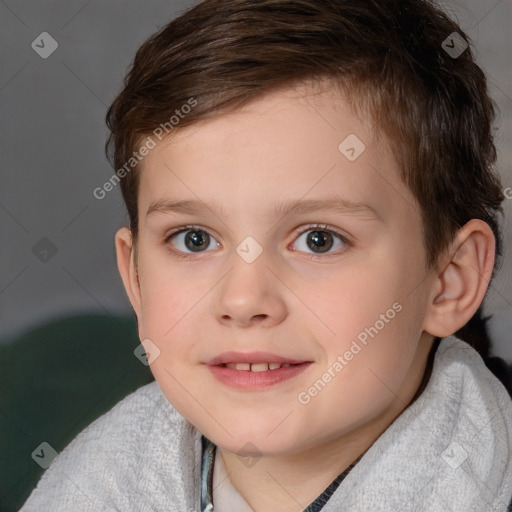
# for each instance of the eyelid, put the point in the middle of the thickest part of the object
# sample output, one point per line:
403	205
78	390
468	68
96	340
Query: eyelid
323	227
180	229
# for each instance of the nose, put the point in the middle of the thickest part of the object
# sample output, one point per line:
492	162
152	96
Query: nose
249	295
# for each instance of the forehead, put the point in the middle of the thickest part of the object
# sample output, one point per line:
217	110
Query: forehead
289	144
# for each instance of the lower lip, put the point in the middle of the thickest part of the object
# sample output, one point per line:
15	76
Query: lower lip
247	380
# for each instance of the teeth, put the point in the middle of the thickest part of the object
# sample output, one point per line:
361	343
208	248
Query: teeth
257	367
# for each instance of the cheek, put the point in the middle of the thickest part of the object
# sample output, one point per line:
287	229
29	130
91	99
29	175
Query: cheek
372	347
375	319
354	299
170	295
174	312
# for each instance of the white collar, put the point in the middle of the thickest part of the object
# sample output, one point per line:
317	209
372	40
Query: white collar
225	497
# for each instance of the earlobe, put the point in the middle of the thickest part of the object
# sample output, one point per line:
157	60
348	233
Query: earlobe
462	279
126	265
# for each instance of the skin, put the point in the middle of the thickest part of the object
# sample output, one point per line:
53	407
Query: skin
291	301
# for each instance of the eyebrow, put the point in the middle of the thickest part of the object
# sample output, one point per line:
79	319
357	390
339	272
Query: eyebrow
333	204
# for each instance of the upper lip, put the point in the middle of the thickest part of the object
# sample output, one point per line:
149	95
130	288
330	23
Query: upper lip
251	357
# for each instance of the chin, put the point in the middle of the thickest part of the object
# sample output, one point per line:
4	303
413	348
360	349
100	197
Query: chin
254	443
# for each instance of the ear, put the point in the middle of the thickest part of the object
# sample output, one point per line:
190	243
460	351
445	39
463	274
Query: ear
125	251
463	275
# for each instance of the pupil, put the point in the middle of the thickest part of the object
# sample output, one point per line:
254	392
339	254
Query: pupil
200	240
321	239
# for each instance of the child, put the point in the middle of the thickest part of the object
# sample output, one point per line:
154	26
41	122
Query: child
313	215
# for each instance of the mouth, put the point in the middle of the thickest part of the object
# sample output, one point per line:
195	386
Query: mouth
254	371
256	367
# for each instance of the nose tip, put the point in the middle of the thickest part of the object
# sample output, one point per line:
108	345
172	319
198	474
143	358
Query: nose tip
249	296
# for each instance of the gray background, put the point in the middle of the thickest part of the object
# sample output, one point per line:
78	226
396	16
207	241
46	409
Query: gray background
52	134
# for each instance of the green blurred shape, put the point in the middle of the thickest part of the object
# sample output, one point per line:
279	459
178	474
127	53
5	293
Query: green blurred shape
54	381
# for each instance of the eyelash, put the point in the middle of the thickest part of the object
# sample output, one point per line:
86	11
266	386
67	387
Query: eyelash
311	227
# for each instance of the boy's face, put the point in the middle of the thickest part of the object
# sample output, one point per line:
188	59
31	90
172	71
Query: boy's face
351	308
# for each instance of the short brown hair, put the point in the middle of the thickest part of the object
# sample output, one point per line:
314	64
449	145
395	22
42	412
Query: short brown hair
387	56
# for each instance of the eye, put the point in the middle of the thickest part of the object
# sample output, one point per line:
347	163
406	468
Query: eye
192	239
320	240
